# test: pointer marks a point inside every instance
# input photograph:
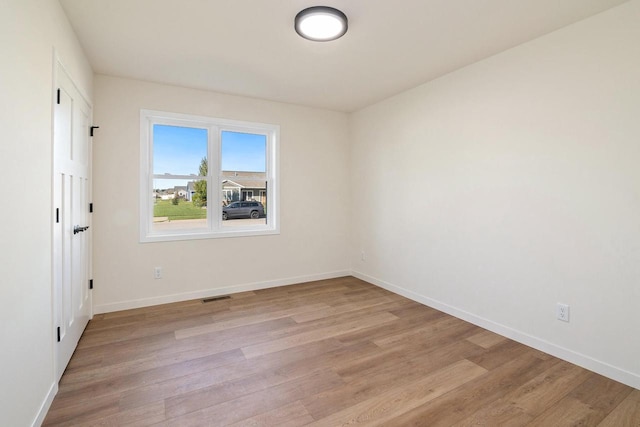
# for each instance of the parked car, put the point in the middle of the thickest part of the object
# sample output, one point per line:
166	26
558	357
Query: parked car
243	210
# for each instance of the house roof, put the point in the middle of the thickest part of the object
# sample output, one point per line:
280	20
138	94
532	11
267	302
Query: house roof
255	180
236	179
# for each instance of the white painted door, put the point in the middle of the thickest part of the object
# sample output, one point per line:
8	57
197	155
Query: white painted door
71	198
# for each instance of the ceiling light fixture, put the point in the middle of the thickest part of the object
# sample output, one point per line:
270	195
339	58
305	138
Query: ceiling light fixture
321	23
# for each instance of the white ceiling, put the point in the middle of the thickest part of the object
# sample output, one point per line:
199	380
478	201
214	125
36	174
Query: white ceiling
249	47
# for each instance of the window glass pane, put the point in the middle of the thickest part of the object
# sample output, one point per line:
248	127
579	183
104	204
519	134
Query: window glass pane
178	150
243	152
244	179
244	199
174	207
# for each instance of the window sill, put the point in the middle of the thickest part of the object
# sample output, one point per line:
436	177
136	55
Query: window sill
199	234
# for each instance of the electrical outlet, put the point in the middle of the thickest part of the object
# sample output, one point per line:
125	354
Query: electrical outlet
157	273
562	312
362	256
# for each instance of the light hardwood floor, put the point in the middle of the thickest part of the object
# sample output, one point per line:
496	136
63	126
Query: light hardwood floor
325	353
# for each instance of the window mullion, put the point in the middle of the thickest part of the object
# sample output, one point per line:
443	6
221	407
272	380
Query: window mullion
212	179
170	176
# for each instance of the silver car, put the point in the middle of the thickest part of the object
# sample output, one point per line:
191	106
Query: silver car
244	209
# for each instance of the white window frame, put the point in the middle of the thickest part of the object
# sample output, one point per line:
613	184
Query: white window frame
215	127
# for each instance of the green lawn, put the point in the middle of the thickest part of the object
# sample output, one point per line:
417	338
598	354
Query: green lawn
183	210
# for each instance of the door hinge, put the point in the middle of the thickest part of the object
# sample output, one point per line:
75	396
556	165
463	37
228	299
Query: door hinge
57	215
58	97
58	333
90	207
90	283
92	128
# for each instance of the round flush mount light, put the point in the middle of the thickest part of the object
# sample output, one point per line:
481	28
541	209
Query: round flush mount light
321	23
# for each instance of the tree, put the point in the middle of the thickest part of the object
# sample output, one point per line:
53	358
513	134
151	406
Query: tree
200	187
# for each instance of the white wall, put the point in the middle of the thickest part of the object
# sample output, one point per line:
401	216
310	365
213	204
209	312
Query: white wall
512	184
314	193
29	32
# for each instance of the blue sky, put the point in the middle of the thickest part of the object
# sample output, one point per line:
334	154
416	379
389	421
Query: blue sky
179	150
243	152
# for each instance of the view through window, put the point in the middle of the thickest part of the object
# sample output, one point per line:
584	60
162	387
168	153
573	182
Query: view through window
206	177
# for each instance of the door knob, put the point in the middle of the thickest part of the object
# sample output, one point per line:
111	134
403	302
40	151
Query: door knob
77	229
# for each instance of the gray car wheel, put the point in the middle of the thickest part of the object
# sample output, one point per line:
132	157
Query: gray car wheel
255	214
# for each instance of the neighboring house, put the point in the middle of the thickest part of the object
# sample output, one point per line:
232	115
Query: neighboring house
180	191
172	193
191	190
237	186
244	186
165	194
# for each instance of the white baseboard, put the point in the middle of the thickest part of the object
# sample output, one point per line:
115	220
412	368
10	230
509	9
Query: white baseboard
165	299
602	368
44	408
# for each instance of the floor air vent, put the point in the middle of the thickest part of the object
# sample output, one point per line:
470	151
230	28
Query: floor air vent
215	298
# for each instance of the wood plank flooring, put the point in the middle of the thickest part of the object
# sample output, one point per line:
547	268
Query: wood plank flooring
327	353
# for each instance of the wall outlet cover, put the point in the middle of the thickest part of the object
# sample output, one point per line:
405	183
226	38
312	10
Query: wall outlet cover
562	312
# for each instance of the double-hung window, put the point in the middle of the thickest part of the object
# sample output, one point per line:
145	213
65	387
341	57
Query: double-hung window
203	177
